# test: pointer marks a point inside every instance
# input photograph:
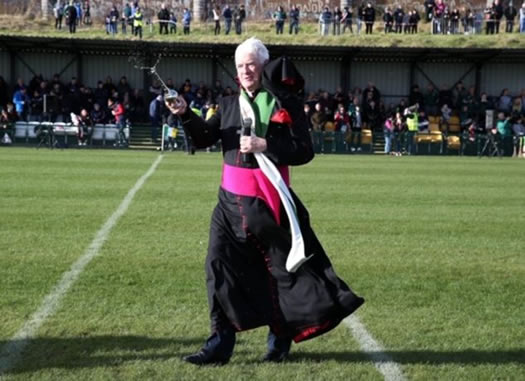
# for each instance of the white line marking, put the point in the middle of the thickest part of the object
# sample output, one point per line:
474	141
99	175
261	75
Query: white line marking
383	362
11	352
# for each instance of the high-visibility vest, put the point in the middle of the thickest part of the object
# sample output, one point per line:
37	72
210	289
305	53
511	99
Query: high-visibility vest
412	123
137	21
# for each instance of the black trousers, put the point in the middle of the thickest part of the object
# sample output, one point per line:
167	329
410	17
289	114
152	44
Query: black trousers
163	26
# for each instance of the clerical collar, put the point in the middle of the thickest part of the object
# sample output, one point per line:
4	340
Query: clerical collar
254	95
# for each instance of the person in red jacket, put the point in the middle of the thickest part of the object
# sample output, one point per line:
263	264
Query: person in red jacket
118	112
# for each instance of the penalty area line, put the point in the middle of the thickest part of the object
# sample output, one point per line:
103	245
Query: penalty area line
12	351
390	370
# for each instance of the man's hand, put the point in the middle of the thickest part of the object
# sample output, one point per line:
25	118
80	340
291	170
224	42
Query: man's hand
252	144
176	106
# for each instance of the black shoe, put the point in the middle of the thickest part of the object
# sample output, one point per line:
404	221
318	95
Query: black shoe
204	357
275	356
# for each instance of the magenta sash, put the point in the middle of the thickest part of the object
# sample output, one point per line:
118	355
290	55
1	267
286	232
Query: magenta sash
252	182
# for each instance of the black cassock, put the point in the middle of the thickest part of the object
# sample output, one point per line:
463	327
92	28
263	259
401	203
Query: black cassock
248	284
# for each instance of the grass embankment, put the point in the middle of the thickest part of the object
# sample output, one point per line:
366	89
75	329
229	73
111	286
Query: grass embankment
203	33
435	245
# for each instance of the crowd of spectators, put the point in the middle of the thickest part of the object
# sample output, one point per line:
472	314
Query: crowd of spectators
346	113
444	18
349	113
52	100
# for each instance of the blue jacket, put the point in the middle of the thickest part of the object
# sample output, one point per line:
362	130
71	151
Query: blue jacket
186	18
20	101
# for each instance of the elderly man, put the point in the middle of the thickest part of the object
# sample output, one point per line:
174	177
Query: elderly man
265	266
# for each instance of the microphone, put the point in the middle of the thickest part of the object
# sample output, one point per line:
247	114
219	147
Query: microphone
246	131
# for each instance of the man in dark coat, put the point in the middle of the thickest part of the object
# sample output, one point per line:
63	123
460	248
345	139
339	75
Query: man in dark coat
255	275
510	14
71	17
164	17
369	18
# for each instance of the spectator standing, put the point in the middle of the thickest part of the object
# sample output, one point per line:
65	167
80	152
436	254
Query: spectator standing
406	22
338	15
325	19
341	119
36	107
429	9
134	8
412	123
388	131
126	14
164	17
127	19
522	18
505	101
369	18
138	22
113	20
173	23
156	108
71	17
503	126
398	133
414	21
454	21
58	12
388	19
294	19
498	14
186	21
356	124
439	19
78	8
87	14
21	101
123	87
217	20
399	14
279	17
416	96
227	14
238	17
490	19
118	112
318	118
347	19
510	14
468	21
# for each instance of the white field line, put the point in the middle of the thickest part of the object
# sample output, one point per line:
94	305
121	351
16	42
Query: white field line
11	352
383	362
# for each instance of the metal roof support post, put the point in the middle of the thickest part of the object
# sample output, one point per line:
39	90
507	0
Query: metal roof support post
80	67
412	74
477	83
214	65
12	67
346	67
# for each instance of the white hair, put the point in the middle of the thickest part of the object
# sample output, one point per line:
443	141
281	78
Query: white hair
255	47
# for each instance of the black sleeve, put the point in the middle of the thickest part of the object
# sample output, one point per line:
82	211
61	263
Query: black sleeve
203	133
290	145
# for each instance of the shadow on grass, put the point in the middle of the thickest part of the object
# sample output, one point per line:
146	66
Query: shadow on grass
99	351
428	357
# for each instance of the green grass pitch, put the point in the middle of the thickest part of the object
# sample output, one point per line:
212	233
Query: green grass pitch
436	245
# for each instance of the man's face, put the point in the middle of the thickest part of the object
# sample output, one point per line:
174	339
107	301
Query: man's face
249	71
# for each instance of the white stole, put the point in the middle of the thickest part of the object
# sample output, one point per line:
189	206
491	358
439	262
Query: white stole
296	256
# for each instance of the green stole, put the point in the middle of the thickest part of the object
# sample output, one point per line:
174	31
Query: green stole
262	106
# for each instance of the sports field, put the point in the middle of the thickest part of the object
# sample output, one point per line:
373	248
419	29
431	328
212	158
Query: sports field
436	245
